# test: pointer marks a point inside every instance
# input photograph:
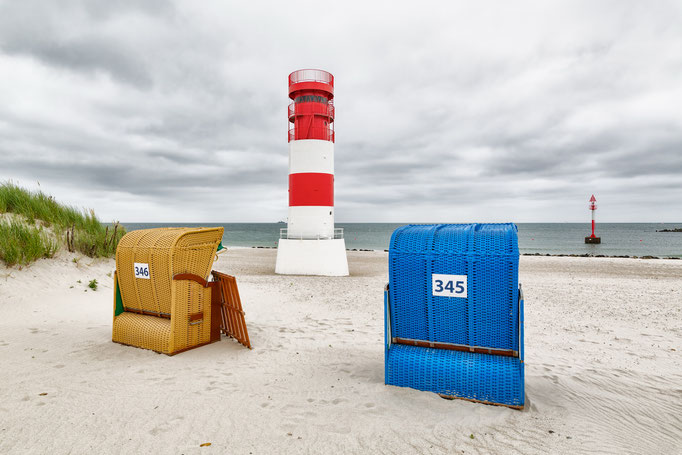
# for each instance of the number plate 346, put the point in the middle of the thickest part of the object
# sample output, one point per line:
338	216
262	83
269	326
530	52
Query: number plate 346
449	285
141	270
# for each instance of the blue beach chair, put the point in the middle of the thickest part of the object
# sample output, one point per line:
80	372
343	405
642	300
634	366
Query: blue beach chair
454	312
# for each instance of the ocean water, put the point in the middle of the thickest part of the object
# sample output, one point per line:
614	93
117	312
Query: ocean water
618	239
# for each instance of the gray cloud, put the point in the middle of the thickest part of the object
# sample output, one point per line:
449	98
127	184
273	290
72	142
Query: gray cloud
175	111
86	53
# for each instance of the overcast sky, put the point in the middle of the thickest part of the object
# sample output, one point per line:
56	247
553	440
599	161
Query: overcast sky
446	111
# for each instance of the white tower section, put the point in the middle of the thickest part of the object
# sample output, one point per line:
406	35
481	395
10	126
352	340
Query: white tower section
311	156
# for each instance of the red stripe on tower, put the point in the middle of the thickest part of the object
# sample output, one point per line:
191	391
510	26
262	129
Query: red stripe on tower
308	188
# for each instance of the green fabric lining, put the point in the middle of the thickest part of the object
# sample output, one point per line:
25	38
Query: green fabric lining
119	300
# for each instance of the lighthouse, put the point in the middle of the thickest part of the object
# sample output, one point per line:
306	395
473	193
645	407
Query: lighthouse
593	208
310	245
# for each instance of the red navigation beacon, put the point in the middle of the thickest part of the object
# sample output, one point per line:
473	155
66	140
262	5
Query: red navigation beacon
593	207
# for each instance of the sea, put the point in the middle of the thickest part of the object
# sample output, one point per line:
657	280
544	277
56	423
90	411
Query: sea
617	239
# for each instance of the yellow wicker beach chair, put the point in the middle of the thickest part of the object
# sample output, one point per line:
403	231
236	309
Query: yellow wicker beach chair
162	299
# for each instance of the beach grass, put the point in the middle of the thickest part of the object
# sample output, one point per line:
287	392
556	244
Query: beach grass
78	230
21	243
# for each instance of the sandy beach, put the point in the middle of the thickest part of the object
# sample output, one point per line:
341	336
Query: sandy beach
603	367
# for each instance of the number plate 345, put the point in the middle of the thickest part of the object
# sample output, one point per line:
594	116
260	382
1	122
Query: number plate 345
449	285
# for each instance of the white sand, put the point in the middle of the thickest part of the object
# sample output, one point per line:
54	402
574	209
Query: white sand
603	374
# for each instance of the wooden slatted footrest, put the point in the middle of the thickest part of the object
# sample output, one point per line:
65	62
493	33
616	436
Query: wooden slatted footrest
232	321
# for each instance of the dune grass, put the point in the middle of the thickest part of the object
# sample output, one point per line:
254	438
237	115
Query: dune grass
78	230
22	244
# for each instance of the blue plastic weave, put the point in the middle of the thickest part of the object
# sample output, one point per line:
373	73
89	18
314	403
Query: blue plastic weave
489	317
487	253
483	377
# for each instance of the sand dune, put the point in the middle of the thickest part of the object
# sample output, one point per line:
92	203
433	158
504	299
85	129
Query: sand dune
603	374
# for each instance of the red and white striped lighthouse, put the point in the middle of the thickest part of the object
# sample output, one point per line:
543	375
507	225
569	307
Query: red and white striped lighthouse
311	245
593	208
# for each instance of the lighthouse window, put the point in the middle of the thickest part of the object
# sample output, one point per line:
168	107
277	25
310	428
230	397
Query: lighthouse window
311	99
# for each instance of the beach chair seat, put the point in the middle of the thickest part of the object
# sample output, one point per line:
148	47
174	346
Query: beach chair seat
487	378
163	300
144	331
454	312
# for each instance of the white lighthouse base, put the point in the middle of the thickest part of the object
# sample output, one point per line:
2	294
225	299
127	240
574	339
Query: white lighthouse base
312	257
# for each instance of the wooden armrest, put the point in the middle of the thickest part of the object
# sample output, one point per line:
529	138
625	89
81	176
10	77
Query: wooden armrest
192	277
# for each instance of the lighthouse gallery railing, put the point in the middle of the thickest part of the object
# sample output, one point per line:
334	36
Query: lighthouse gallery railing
311	75
284	234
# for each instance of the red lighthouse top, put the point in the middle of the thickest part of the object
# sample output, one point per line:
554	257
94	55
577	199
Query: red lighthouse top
593	203
311	114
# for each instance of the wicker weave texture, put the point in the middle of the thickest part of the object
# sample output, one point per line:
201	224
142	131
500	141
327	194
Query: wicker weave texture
486	253
168	252
142	331
481	377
